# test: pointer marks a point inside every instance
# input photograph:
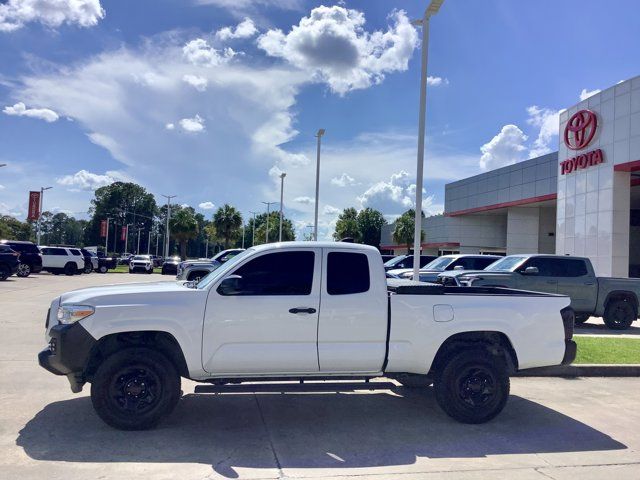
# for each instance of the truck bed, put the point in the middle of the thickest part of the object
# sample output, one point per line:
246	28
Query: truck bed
410	287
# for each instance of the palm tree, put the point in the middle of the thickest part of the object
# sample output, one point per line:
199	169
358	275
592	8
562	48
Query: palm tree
184	227
227	221
404	229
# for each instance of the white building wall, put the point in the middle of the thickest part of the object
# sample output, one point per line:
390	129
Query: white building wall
523	226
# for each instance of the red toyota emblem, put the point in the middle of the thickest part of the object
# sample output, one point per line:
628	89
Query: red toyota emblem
583	126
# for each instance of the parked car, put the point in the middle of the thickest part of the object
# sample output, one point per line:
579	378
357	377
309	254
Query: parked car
406	261
142	263
125	258
430	272
205	263
157	260
300	310
196	271
106	263
170	266
614	299
90	260
9	261
59	260
386	258
30	258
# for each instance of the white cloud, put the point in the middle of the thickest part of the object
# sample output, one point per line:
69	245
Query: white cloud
330	210
200	53
193	125
584	94
2	187
242	7
506	148
304	200
197	82
170	126
333	46
20	110
245	29
14	14
84	180
547	120
437	81
395	196
207	205
343	180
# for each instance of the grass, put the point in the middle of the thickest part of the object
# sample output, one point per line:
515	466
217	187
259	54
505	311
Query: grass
601	350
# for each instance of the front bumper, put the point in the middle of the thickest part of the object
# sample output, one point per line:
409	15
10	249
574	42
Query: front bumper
570	351
68	352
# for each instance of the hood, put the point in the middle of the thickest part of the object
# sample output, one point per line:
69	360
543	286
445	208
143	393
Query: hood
105	294
455	273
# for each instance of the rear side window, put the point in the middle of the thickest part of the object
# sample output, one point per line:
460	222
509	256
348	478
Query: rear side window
571	268
58	251
281	273
75	252
347	273
5	249
482	263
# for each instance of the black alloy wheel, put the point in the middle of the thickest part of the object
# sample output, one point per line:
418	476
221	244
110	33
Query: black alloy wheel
619	314
24	270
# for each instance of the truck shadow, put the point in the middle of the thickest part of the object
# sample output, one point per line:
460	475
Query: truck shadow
331	430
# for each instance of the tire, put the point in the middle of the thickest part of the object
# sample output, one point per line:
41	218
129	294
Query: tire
581	318
5	272
88	268
473	386
150	271
24	270
70	269
414	381
619	314
135	388
102	269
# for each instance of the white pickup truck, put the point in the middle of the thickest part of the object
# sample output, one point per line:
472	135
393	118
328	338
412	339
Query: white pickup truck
300	311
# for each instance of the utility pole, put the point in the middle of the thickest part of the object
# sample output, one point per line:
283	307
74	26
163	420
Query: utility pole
106	239
253	235
126	238
157	241
166	235
138	248
243	234
42	190
282	175
149	243
315	224
268	204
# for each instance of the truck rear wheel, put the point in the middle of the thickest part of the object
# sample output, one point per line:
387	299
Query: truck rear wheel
473	386
619	314
135	388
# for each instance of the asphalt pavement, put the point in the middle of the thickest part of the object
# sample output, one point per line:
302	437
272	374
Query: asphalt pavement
555	428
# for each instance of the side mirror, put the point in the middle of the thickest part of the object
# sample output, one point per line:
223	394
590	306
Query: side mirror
458	267
531	271
230	285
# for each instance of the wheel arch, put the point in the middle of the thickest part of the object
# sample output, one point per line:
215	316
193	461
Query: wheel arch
496	343
162	341
621	295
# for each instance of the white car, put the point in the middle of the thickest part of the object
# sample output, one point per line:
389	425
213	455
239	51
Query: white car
141	263
300	311
56	260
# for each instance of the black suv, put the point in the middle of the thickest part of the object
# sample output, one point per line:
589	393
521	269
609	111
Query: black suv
30	258
8	262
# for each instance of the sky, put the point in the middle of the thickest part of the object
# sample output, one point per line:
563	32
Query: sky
211	100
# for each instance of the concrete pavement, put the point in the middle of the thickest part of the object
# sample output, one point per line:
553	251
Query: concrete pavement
551	427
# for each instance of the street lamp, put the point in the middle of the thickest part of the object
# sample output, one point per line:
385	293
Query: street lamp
315	225
166	235
126	238
268	204
253	234
282	175
432	9
42	190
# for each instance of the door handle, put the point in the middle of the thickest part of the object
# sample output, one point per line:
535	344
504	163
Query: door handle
589	283
302	310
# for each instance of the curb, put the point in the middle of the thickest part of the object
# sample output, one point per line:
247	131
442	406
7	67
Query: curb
585	370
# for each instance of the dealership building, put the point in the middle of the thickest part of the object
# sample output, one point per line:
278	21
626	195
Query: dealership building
582	200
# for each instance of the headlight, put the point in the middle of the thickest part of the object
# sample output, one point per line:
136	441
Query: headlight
72	313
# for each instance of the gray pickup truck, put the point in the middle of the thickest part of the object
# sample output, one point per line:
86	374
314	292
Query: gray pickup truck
614	299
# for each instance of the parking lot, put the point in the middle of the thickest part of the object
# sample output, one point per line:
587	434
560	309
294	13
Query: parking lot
551	428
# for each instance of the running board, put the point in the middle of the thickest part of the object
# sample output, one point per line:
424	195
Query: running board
332	387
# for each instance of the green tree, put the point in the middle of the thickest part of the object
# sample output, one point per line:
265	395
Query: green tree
288	233
403	232
347	225
13	229
370	223
184	227
228	223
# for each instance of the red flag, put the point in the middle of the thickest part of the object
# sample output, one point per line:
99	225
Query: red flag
103	228
34	206
123	236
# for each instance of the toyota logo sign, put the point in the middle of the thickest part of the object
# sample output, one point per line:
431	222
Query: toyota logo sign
580	129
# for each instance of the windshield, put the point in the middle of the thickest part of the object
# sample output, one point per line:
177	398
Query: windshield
439	264
394	261
141	257
506	264
221	270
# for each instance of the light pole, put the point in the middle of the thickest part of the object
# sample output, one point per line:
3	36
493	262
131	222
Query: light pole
138	247
315	224
253	234
282	175
157	240
149	243
166	235
432	9
126	238
268	204
42	190
242	233
106	239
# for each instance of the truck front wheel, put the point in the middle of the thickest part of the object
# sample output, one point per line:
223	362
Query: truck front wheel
134	388
619	314
473	386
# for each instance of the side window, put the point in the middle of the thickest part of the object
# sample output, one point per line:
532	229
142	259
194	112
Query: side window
59	251
482	263
572	268
46	251
281	273
75	252
547	267
347	273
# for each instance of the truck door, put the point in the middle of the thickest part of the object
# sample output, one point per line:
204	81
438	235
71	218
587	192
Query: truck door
352	330
575	281
545	280
268	324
